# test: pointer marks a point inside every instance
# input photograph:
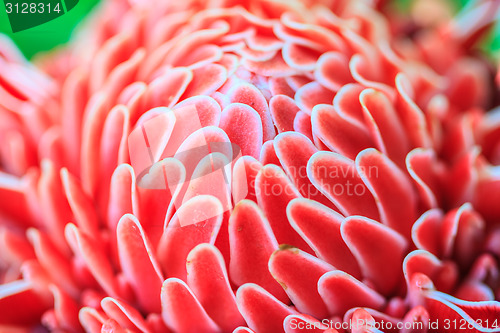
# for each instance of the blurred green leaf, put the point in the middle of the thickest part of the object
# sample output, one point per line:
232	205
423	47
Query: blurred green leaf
48	35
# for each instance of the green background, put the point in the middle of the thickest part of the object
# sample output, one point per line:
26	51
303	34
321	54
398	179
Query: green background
44	37
58	31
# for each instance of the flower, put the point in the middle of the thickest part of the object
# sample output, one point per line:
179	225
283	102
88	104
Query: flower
367	190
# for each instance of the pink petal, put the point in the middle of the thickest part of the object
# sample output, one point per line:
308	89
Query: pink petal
274	192
341	292
332	70
283	110
294	151
338	133
443	274
181	311
65	310
410	114
188	228
396	202
268	154
206	80
298	273
249	260
138	264
245	171
248	94
81	205
319	226
378	249
20	304
207	278
302	124
384	126
125	315
243	127
262	312
336	177
312	94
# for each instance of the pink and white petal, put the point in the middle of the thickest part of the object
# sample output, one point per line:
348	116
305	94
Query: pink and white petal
167	89
445	275
279	86
384	126
91	319
339	134
65	310
125	315
312	94
423	167
274	192
347	105
262	312
268	154
475	316
302	124
319	226
248	94
249	260
21	304
337	178
206	80
181	311
426	232
386	184
243	126
96	259
299	56
332	70
283	111
50	258
207	278
341	292
245	171
298	273
276	67
13	201
81	205
411	115
196	221
139	267
294	151
358	67
379	250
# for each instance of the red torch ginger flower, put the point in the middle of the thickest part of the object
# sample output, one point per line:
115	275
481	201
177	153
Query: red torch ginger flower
252	166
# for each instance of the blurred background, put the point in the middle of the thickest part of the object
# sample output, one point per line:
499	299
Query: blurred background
58	31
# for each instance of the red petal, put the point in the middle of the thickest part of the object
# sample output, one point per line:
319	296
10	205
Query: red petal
262	312
283	110
249	259
207	278
319	226
341	292
274	192
243	127
391	188
378	249
181	311
138	264
298	273
197	221
337	178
